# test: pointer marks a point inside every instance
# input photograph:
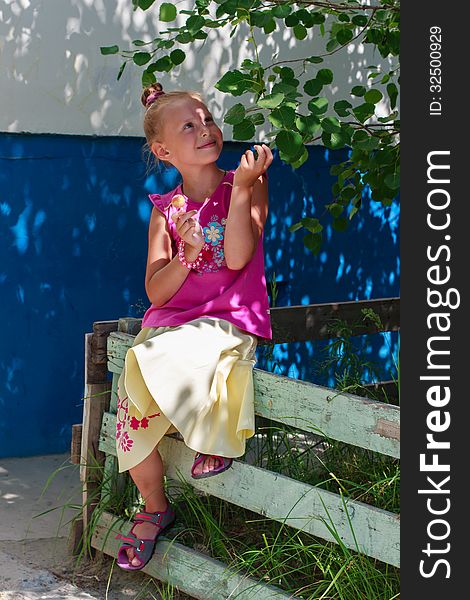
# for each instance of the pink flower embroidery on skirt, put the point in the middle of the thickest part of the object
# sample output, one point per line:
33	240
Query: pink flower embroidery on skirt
124	421
125	442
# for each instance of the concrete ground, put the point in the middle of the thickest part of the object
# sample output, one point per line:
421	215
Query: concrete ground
37	499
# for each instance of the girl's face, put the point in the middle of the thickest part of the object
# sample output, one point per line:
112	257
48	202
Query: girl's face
190	135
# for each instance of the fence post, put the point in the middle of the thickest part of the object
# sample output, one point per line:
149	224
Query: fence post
97	391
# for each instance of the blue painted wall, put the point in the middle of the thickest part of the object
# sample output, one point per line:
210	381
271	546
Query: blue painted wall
73	242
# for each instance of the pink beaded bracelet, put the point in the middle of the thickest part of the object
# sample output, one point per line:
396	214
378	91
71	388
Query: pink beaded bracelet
182	258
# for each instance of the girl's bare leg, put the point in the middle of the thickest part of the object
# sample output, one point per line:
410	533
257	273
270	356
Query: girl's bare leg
148	477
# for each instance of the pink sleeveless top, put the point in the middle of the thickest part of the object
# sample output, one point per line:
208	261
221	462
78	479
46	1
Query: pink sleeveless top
239	297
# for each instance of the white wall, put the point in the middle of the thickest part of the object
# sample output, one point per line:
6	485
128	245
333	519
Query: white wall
53	78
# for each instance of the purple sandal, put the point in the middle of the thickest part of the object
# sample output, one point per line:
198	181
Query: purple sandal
224	464
143	548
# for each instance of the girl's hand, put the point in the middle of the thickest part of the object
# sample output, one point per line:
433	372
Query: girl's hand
188	228
250	169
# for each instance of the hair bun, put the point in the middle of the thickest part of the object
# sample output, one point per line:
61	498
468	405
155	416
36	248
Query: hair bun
151	93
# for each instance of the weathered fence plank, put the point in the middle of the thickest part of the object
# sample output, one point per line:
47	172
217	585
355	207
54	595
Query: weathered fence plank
311	321
96	401
191	572
282	499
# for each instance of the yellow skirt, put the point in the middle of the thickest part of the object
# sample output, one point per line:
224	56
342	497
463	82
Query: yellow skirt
195	378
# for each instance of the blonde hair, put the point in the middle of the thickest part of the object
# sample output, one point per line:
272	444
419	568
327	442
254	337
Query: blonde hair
155	115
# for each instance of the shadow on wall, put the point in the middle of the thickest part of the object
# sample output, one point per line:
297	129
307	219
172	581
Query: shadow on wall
73	242
360	263
52	54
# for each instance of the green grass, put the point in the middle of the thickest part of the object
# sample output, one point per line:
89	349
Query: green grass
267	550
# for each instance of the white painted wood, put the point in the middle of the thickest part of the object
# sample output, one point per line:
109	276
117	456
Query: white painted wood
282	499
191	572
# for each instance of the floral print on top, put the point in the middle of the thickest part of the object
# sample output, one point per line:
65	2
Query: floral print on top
213	249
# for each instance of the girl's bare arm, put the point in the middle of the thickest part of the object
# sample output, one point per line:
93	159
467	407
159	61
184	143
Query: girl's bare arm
248	208
164	275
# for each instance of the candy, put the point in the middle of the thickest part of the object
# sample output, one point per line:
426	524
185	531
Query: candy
178	201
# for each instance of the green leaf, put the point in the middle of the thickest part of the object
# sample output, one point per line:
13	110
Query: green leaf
184	37
313	225
330	125
256	118
250	65
393	94
236	83
211	24
335	209
295	227
291	20
121	70
325	76
271	100
364	111
281	11
344	18
353	211
390	117
289	142
139	43
360	135
334	141
314	59
360	20
381	15
300	32
392	181
145	4
341	108
235	114
332	45
109	50
195	23
318	17
148	78
348	193
313	87
269	26
340	224
282	117
141	58
167	12
162	64
244	130
318	106
287	73
344	36
358	90
307	125
385	156
256	18
177	56
313	242
371	143
290	91
373	96
300	161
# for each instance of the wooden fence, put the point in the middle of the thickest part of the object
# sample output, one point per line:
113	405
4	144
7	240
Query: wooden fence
310	408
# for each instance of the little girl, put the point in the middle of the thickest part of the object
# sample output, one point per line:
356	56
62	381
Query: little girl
190	367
